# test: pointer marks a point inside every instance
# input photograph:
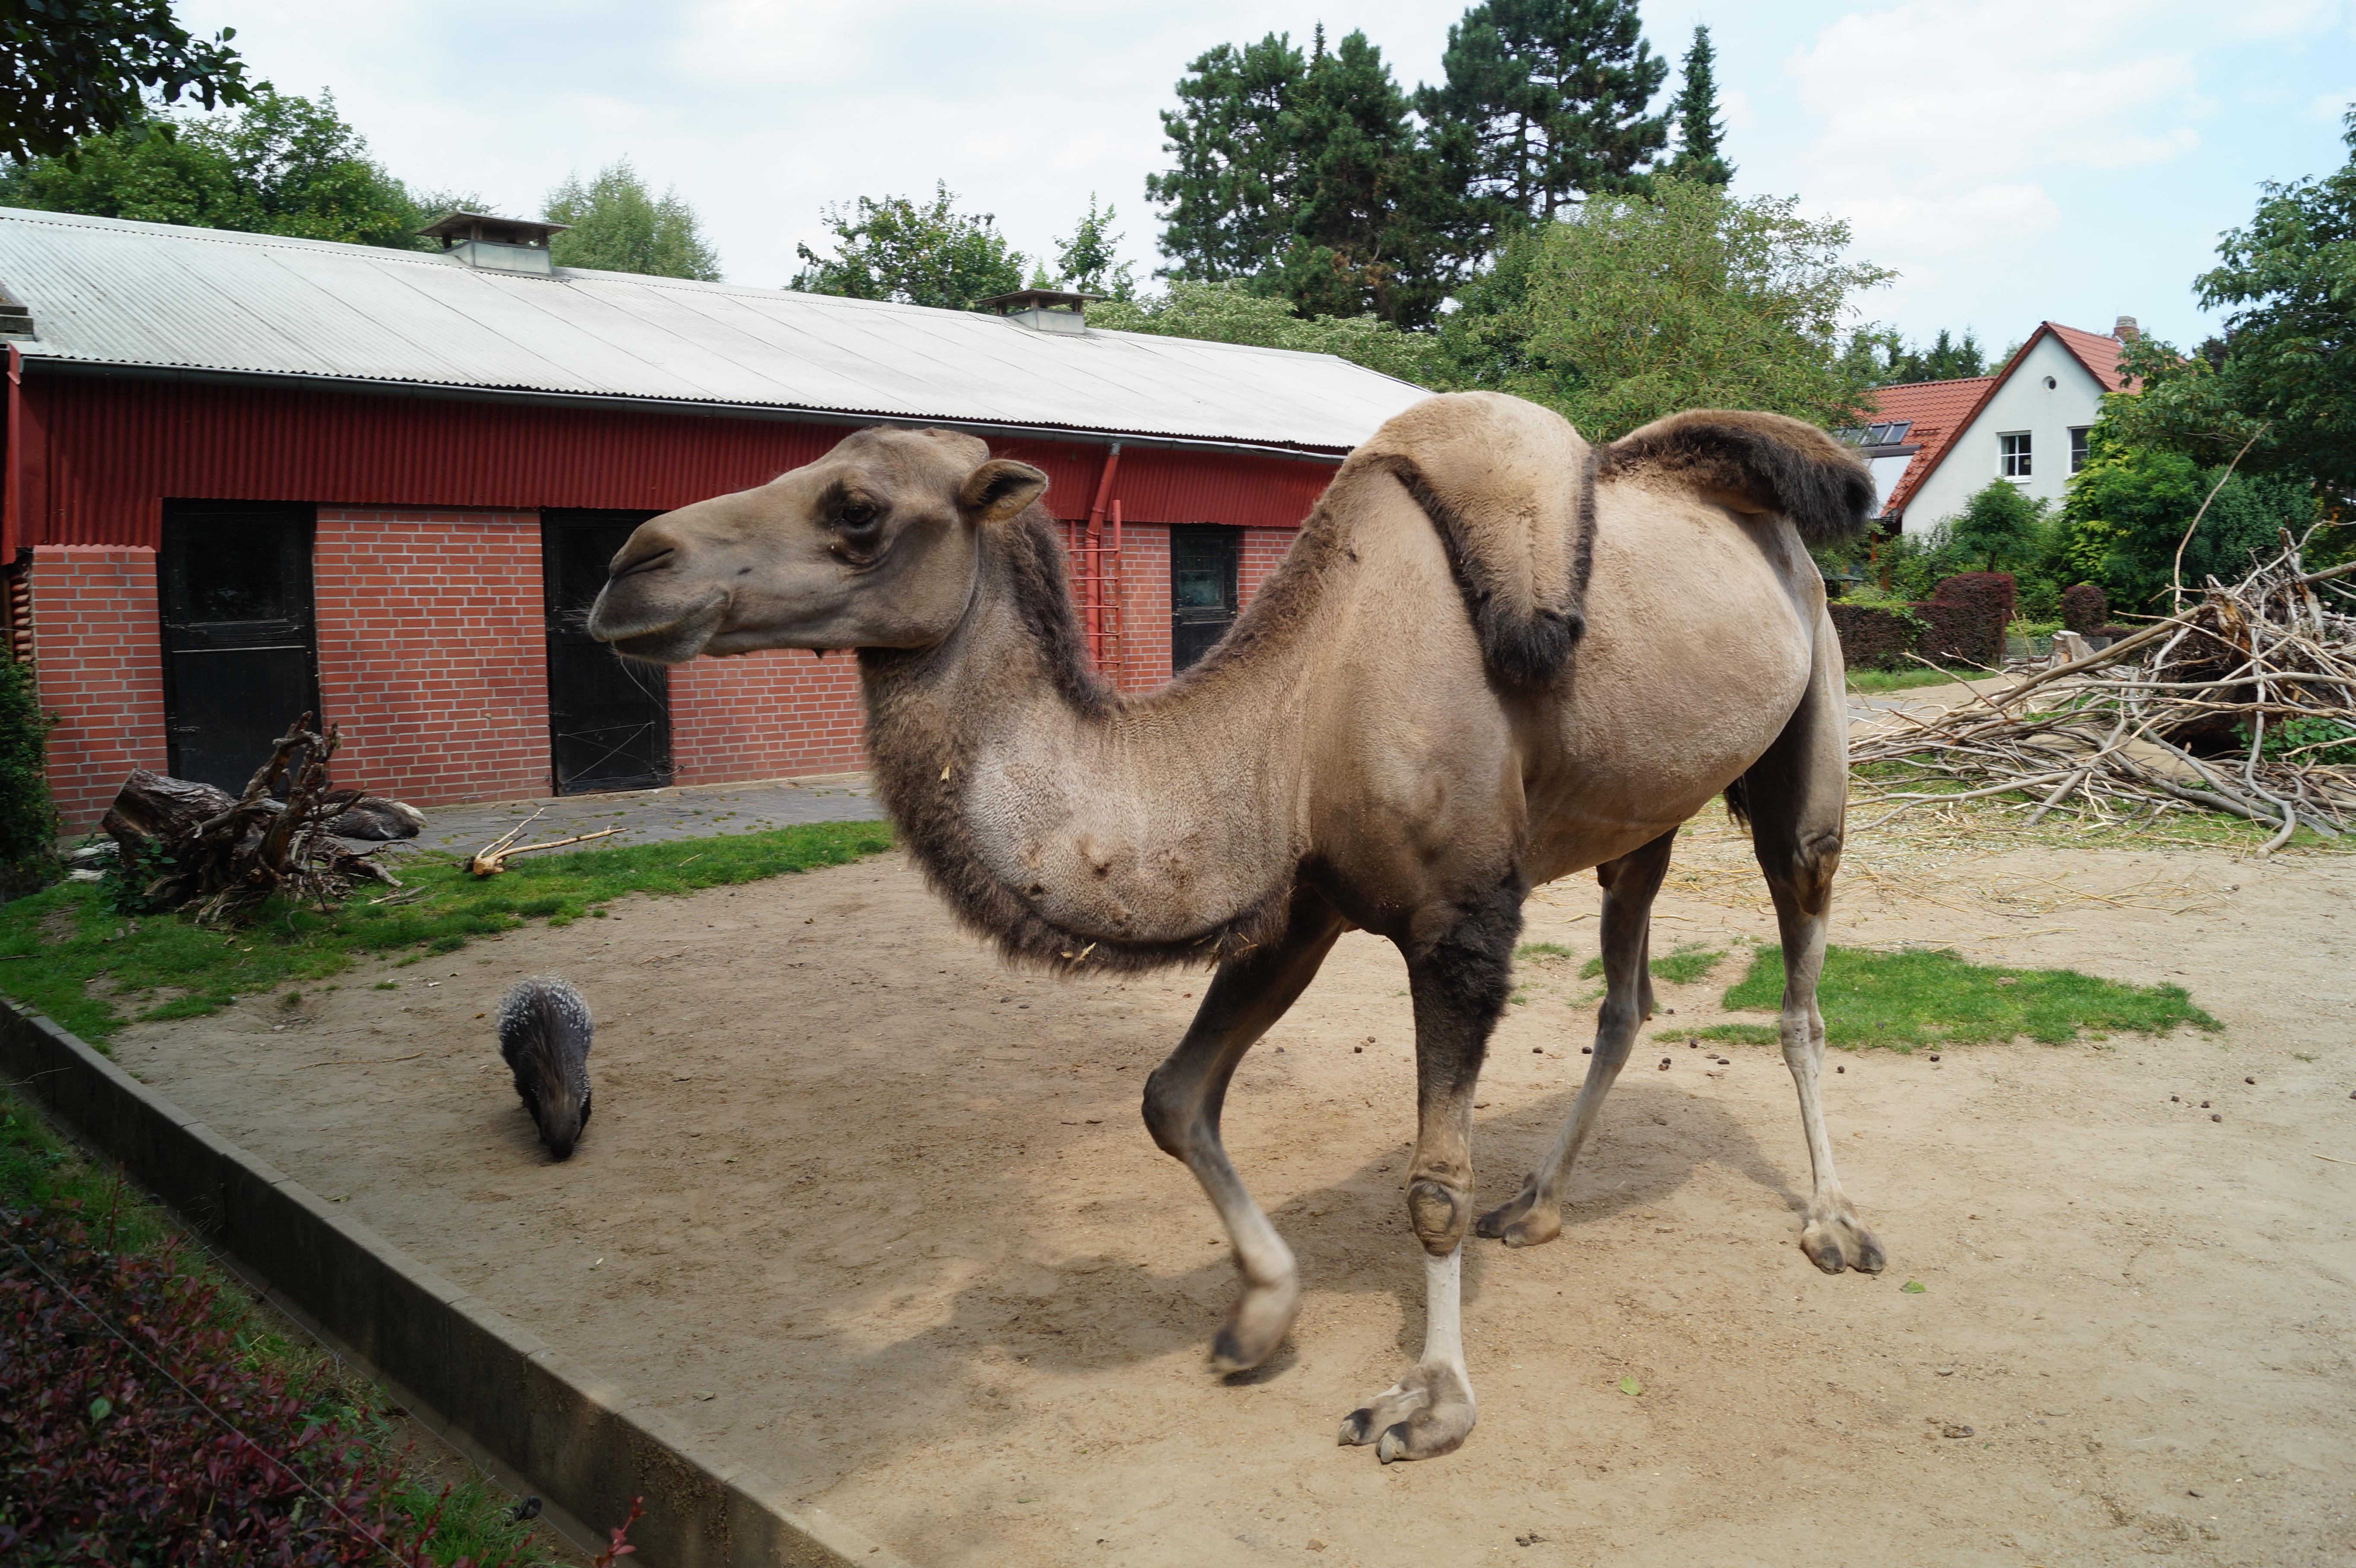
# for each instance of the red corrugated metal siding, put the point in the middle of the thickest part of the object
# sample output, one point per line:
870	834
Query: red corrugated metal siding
110	451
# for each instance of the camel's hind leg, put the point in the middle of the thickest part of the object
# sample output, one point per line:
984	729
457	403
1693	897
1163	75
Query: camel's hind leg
1182	1099
1797	797
1535	1216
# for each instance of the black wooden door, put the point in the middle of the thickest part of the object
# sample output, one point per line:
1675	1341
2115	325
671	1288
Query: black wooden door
1202	561
608	720
241	651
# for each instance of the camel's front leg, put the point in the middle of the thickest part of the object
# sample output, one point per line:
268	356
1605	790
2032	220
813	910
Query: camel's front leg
1460	976
1182	1099
1535	1216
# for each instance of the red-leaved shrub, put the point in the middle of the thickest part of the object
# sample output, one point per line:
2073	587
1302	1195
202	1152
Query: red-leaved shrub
2085	609
1966	616
104	1460
1872	637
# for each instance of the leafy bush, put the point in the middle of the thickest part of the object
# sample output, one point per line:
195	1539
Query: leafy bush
2130	508
111	1457
2084	608
1875	635
28	820
1967	616
2318	741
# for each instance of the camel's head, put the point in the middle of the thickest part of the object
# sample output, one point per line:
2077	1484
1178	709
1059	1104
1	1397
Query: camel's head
872	546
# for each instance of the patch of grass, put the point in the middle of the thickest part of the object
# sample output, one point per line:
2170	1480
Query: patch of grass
441	908
1930	995
1875	682
1541	951
1683	967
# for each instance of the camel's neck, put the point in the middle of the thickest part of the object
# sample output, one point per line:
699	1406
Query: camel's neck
1062	819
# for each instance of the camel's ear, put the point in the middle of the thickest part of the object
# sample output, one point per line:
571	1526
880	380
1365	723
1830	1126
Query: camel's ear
1000	489
1754	463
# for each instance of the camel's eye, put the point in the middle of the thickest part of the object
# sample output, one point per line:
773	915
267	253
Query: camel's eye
856	516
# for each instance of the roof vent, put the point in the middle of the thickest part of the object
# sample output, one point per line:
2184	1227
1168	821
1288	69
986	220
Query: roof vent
496	244
1041	310
15	316
2126	331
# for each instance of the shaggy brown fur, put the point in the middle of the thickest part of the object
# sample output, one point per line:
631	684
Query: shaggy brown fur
1754	462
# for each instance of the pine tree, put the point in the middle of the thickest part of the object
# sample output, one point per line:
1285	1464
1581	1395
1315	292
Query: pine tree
1301	173
1543	104
1699	131
1229	201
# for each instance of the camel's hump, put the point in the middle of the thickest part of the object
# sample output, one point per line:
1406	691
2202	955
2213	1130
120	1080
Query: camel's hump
1511	486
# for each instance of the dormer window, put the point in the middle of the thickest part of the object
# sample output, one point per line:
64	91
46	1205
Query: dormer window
2012	454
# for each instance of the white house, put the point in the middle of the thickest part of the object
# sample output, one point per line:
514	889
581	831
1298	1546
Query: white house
2026	423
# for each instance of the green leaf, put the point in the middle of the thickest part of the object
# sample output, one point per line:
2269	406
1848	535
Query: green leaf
1628	1385
1913	1287
101	1408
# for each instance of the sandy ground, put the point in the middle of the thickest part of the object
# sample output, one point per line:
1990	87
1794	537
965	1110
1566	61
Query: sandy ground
880	1220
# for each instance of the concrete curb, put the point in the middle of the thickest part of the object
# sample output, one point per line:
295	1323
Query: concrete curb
495	1390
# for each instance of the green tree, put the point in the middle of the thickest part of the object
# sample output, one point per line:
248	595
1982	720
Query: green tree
619	226
1999	526
77	69
1231	311
1303	174
29	819
1700	133
918	254
2290	344
1543	103
283	164
1884	358
1088	262
1640	306
2130	506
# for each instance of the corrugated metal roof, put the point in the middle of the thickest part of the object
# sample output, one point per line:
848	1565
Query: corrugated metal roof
109	292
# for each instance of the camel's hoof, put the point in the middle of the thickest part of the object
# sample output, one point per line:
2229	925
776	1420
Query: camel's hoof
1524	1222
1839	1241
1256	1325
1425	1414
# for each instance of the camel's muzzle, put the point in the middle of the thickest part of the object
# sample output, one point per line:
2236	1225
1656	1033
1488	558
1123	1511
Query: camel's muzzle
637	628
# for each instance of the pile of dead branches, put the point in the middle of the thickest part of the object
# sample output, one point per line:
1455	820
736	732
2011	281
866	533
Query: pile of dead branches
2241	701
194	847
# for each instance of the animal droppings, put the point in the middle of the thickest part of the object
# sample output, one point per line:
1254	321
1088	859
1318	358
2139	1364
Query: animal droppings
2249	1081
2215	1117
1589	1051
1537	1051
2174	1101
2204	1104
1840	1069
1665	1064
1357	1050
1935	1056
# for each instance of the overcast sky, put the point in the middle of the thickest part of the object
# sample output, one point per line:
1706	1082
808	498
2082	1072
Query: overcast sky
2016	160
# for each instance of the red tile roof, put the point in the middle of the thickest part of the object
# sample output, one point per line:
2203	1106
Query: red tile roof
1942	411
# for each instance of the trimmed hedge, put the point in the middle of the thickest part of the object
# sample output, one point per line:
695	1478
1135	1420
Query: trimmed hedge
1966	615
1872	637
2085	609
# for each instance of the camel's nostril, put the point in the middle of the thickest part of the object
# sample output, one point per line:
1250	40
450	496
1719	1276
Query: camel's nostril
631	568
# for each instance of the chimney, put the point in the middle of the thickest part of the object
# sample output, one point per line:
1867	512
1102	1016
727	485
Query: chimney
15	316
497	244
2126	331
1041	310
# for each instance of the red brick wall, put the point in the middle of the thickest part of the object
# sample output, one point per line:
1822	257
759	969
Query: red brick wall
434	652
766	716
97	635
1263	548
1145	607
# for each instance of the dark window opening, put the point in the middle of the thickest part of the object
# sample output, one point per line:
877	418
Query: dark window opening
608	719
239	639
1203	560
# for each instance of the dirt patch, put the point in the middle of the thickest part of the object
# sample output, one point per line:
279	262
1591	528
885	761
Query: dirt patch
880	1219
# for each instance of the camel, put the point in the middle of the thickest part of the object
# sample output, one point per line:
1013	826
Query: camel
1494	656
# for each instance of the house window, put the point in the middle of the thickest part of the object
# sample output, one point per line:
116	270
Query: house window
2077	448
2013	450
